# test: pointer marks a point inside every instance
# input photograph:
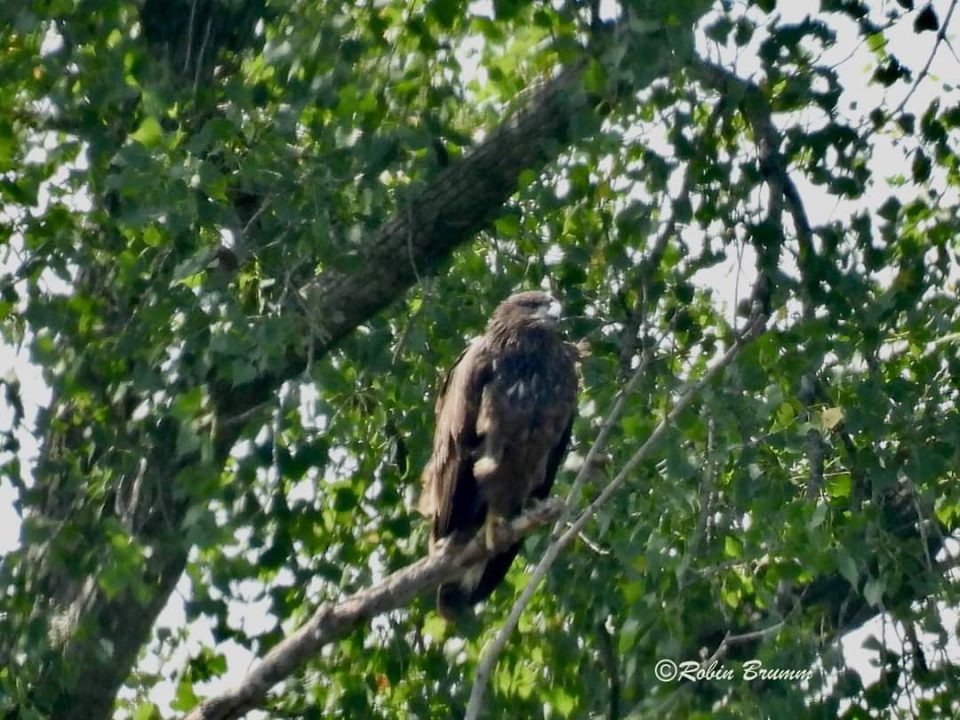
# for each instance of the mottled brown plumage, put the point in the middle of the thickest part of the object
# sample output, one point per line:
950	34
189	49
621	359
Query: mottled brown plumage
503	416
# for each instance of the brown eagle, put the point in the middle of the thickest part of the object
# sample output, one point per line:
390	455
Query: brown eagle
504	416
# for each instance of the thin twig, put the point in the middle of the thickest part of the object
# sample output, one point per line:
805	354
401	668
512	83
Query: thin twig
253	218
189	50
941	36
592	545
410	254
200	54
731	640
242	417
598	445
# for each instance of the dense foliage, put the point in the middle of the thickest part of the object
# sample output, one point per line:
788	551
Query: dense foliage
196	206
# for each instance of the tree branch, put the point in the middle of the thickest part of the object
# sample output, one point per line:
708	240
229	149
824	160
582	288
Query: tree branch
783	192
756	109
459	202
333	621
741	639
599	444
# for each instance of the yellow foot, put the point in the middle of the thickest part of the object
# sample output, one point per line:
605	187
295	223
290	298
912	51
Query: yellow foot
492	528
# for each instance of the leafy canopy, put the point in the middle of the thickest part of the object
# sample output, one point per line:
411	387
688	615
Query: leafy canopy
174	173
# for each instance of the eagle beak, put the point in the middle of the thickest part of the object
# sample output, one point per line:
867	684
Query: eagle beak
555	310
551	313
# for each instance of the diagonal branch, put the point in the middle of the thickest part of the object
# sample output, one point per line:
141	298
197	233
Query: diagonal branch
458	203
333	621
599	444
741	639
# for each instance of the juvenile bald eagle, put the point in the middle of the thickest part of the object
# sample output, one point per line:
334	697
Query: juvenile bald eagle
503	418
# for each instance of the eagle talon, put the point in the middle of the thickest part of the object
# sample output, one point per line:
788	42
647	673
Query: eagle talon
493	528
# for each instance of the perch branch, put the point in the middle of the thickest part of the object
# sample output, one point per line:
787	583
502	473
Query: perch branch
336	620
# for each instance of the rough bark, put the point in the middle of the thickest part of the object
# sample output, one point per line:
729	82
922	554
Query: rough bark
461	200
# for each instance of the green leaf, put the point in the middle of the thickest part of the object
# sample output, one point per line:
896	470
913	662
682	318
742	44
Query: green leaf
595	78
8	145
152	236
732	547
890	209
436	627
445	12
873	591
819	515
926	20
744	32
149	134
848	568
890	72
877	43
562	702
508	225
241	372
921	167
720	29
147	711
839	485
185	698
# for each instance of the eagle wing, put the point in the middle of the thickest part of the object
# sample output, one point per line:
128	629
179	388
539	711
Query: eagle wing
449	492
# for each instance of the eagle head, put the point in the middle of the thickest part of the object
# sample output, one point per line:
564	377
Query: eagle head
533	309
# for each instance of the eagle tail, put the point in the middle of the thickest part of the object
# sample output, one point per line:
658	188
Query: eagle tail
455	600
